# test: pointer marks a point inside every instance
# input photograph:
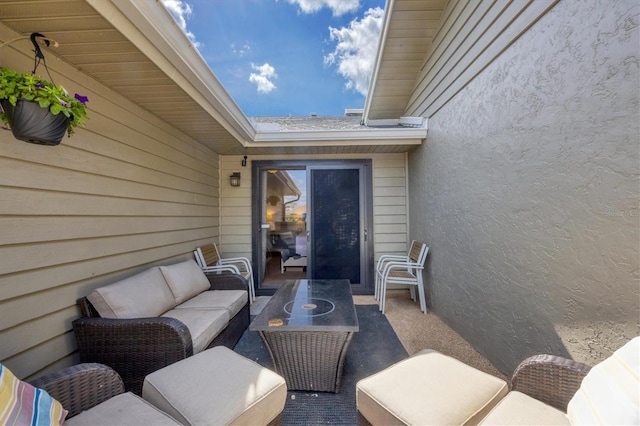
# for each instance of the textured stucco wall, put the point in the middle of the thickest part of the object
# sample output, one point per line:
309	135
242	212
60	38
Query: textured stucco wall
527	191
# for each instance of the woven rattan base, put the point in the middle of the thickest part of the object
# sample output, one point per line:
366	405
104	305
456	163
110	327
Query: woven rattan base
308	360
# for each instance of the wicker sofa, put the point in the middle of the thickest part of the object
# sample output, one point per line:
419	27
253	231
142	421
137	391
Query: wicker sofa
159	316
432	388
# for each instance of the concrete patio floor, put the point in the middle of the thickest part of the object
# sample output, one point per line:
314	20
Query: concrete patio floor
418	331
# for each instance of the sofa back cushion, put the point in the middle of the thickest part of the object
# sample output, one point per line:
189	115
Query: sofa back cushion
609	392
185	279
141	296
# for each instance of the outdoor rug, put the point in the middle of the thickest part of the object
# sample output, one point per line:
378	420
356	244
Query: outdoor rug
373	348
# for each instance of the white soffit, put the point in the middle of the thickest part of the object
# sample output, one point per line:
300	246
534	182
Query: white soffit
409	28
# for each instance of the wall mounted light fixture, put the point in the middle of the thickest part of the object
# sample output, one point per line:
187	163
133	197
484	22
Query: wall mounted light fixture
244	161
234	179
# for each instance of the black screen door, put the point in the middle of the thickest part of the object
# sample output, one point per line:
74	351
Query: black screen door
336	229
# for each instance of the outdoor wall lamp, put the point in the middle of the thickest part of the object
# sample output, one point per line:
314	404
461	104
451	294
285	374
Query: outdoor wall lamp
234	179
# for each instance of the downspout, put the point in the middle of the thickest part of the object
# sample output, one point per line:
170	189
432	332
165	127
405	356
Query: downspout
406	191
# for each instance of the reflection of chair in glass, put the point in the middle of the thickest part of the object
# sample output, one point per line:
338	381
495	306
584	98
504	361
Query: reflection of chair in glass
299	256
402	269
209	260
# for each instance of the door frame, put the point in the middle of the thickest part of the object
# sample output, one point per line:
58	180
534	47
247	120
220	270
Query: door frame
366	201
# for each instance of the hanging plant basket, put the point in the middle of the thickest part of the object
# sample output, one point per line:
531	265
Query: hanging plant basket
30	122
37	110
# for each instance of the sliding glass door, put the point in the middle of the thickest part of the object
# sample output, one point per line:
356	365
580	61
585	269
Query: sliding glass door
313	220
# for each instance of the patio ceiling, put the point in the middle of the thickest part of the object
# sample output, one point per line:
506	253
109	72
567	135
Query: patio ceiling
136	49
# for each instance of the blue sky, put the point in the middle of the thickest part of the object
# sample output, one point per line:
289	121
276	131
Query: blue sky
286	57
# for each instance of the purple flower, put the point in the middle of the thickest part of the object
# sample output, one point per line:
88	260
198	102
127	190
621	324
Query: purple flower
63	103
81	98
39	86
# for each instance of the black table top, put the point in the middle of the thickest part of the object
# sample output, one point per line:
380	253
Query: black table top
309	305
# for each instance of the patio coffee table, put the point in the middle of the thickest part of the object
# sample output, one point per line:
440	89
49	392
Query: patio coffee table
307	327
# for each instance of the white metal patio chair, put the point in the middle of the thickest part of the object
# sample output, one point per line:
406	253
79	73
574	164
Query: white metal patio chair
209	260
382	260
407	270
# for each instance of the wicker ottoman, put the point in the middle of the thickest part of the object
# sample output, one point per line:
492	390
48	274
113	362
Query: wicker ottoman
428	388
217	387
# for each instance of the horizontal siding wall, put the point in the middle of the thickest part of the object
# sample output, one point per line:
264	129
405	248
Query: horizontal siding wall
389	202
120	195
472	35
235	208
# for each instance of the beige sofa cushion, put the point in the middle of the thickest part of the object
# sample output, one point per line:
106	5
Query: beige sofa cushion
143	295
185	279
123	409
519	409
204	325
217	387
610	392
231	300
428	388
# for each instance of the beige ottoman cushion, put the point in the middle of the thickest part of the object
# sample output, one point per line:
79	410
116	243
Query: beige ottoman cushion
519	409
125	409
217	387
428	388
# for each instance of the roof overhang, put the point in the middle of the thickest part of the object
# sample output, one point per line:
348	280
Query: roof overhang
154	31
409	28
136	49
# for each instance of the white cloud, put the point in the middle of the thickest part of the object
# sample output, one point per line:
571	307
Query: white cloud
181	11
338	7
263	78
355	52
240	49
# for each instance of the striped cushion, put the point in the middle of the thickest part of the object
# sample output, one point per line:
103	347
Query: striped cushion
23	404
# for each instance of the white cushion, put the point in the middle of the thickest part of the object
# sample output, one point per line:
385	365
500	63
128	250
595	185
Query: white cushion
231	300
185	279
124	409
610	392
217	387
204	325
518	409
143	295
428	388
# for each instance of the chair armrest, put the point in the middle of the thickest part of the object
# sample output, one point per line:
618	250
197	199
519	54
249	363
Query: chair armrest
81	387
550	379
220	268
133	347
403	266
387	257
227	281
243	261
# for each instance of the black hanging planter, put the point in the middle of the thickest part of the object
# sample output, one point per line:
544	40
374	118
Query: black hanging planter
31	123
